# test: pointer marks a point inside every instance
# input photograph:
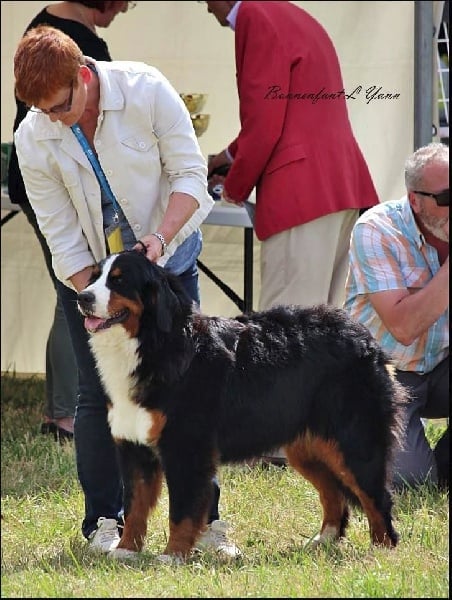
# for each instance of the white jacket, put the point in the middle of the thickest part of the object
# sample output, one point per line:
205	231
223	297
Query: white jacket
147	148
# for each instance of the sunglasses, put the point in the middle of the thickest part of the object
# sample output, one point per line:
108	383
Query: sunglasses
442	198
59	108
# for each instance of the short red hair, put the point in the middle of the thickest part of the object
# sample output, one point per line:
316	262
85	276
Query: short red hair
46	61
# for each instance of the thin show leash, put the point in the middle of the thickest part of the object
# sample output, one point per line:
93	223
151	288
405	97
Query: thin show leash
103	182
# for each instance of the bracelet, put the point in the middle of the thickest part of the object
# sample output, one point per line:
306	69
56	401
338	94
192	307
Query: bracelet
161	239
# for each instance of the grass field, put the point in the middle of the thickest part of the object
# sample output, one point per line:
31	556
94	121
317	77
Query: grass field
273	513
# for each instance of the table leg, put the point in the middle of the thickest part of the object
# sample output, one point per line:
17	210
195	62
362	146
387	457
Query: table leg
248	269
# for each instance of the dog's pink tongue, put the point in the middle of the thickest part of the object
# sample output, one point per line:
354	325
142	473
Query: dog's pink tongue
93	323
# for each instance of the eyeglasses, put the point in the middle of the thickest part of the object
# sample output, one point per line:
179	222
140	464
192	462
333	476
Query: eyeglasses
442	198
59	108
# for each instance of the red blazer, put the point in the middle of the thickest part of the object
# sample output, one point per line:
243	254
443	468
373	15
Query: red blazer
299	152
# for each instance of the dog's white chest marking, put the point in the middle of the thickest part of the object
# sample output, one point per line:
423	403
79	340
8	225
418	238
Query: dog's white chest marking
117	358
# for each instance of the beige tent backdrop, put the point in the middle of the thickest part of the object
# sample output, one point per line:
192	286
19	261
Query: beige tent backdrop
375	43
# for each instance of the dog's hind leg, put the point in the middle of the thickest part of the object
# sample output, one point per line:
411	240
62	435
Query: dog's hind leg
378	513
366	485
302	456
142	478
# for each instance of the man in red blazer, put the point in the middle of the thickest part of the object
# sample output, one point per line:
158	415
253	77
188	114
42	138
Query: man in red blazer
297	148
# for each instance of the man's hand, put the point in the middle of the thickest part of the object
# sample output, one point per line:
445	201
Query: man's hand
226	198
216	161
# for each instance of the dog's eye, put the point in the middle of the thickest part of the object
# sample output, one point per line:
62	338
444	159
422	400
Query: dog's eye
116	278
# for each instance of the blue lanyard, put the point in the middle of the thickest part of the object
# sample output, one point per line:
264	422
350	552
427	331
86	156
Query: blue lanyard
103	182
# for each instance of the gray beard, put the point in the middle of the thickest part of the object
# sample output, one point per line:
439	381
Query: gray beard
434	225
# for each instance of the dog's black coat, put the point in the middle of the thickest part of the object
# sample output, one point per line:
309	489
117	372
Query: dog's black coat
225	390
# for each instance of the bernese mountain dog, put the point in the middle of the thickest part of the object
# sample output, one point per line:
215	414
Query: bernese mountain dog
189	392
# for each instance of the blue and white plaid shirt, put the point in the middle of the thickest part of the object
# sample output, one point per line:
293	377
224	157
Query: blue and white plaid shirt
388	252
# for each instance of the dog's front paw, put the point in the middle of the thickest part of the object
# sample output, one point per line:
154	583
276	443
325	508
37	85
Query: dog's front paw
170	559
123	554
325	537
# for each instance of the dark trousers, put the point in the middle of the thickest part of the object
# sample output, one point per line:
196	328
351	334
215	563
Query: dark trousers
97	466
416	462
61	367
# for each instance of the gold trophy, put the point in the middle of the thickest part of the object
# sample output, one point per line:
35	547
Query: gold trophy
195	104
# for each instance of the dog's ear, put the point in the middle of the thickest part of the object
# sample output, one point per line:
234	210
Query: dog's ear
166	306
163	297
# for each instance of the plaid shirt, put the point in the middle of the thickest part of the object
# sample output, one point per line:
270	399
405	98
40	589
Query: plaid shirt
388	252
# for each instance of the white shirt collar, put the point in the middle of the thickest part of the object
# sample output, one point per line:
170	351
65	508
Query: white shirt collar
232	16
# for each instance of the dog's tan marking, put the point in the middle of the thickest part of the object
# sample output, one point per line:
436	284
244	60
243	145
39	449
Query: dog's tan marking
182	537
316	458
144	499
158	424
135	308
302	455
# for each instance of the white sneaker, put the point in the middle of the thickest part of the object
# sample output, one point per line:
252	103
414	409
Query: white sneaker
214	539
106	537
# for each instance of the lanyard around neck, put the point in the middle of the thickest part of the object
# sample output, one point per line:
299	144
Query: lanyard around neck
103	182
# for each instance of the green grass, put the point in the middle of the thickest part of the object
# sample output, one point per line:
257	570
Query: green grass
273	512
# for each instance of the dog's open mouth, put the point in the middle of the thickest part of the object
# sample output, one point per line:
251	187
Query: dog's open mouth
93	324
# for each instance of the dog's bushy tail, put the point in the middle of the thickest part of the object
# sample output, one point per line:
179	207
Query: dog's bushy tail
400	399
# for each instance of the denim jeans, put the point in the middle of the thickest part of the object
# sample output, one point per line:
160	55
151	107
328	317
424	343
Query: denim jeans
97	466
182	260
